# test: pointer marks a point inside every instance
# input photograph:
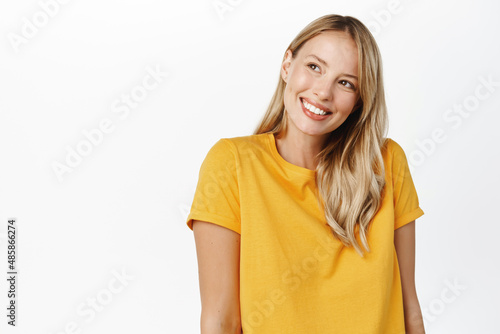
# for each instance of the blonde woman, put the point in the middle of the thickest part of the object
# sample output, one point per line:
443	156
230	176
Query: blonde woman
308	225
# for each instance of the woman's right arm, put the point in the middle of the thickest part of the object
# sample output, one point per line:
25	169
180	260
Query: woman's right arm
218	252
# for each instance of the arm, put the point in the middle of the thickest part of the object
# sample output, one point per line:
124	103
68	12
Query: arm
218	252
404	241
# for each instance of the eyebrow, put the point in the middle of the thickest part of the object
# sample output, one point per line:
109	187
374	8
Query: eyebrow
324	63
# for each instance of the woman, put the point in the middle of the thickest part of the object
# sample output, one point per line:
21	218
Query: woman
308	225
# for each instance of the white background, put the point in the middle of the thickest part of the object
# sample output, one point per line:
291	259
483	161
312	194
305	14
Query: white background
123	207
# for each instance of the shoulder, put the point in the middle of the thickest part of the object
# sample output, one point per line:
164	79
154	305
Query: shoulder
246	145
229	150
245	141
396	163
391	149
394	156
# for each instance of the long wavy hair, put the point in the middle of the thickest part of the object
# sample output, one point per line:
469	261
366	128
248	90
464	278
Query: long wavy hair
350	173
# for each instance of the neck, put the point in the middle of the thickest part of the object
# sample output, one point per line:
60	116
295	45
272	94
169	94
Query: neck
300	149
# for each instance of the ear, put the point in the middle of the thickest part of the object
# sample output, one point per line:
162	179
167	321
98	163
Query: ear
285	66
358	105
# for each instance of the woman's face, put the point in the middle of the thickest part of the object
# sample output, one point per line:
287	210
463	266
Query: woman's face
323	75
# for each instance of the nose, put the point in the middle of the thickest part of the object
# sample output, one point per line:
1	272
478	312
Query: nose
323	89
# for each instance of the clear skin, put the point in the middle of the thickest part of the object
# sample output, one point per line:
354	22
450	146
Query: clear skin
324	72
218	253
404	243
333	86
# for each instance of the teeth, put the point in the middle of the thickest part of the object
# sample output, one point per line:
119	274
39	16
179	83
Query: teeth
313	109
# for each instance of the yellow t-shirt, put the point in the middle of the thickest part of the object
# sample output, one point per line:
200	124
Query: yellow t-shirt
295	277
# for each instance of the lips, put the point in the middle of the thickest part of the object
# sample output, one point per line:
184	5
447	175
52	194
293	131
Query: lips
315	107
312	115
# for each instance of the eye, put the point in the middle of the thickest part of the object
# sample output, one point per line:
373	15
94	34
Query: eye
313	67
347	84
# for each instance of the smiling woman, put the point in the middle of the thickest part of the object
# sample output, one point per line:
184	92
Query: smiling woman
326	67
279	217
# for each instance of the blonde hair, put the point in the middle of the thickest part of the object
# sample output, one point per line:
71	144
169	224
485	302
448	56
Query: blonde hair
350	171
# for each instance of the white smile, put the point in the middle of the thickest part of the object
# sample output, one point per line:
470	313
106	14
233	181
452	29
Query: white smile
313	109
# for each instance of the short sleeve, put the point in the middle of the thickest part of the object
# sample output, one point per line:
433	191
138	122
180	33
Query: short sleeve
406	205
216	199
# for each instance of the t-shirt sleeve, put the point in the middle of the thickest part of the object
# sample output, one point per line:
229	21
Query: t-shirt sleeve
216	199
406	206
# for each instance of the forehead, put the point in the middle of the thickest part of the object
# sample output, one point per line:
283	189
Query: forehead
334	47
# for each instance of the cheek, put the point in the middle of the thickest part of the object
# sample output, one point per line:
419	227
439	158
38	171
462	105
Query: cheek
300	80
346	101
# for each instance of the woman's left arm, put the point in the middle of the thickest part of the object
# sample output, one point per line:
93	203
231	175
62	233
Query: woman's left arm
404	241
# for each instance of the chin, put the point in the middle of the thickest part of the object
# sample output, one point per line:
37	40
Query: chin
314	132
